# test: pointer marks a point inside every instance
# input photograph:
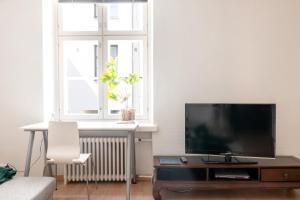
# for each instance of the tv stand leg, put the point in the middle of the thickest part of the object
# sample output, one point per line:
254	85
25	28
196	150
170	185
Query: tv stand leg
155	193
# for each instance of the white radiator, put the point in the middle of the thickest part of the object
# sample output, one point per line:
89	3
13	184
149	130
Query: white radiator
109	156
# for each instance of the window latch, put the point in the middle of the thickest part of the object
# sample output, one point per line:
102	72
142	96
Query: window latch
95	11
95	60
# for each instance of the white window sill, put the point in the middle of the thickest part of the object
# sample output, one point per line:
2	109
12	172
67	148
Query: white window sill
147	127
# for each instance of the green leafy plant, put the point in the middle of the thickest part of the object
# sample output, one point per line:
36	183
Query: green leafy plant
111	78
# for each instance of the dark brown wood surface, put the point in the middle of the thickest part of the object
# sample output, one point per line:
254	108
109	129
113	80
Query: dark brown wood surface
196	162
283	172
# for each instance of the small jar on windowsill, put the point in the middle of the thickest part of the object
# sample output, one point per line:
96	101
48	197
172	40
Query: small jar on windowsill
128	114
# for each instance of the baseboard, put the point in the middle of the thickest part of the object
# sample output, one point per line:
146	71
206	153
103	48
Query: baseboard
144	178
60	178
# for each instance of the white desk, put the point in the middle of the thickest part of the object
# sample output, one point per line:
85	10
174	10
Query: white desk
91	129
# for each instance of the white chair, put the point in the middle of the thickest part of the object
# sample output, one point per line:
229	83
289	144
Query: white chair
64	147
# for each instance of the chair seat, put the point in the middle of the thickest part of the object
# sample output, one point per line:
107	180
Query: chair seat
81	160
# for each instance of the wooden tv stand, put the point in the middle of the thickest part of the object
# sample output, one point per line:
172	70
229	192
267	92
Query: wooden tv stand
280	173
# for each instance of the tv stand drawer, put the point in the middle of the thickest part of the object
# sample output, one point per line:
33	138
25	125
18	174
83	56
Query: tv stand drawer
280	174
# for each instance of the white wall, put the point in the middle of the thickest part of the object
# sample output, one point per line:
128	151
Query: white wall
50	81
226	51
21	77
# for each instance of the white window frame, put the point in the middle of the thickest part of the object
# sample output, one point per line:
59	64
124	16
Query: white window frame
102	35
63	84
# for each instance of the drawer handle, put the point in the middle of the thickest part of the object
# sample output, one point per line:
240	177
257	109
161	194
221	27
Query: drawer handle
285	175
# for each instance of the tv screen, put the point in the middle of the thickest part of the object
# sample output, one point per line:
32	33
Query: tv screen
241	129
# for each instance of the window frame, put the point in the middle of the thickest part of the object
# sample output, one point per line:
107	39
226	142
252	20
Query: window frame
102	35
62	80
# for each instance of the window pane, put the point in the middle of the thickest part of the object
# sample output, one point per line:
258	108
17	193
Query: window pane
125	17
80	66
129	58
80	58
79	17
81	97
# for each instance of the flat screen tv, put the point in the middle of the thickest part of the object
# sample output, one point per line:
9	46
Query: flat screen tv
240	129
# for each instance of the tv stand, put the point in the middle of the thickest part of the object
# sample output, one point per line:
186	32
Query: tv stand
283	172
227	159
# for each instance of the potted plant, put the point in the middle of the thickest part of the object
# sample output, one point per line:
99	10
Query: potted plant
111	78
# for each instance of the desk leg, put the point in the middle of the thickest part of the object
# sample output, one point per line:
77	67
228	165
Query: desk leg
133	162
45	137
128	165
29	153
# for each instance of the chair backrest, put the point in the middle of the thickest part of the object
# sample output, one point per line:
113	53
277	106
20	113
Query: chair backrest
63	141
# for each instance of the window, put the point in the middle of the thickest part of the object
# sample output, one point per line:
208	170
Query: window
90	34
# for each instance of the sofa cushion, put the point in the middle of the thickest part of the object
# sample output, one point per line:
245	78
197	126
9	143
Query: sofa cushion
28	188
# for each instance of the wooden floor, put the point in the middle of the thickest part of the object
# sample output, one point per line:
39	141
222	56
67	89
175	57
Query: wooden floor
143	191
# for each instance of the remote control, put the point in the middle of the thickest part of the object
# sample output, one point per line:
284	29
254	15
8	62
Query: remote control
183	160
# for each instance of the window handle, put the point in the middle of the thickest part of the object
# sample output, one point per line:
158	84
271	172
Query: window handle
95	60
95	11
